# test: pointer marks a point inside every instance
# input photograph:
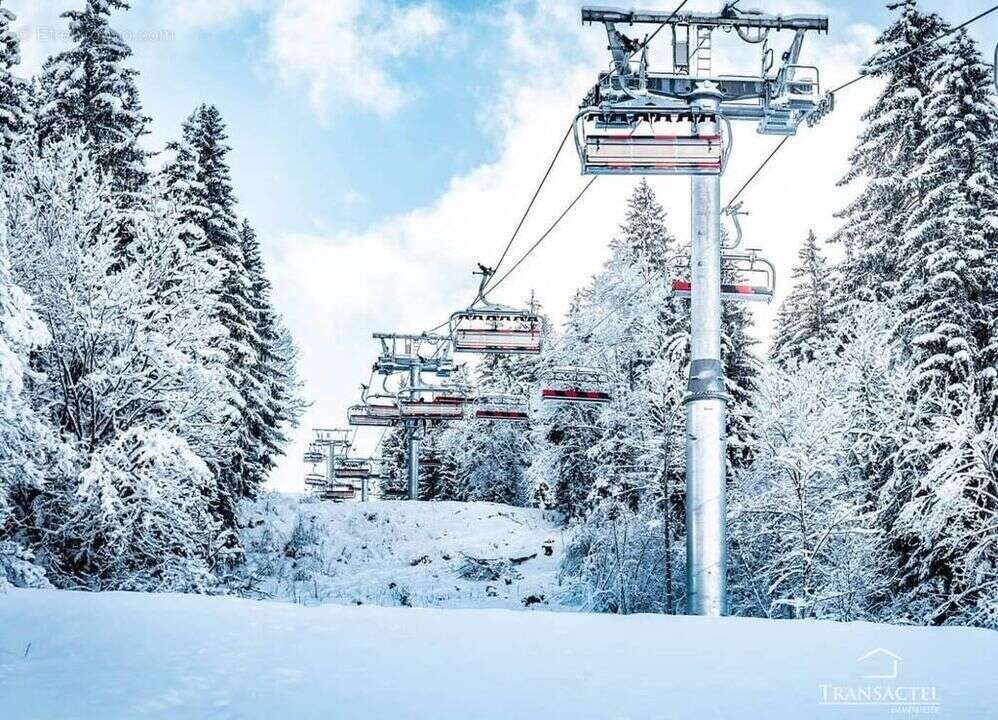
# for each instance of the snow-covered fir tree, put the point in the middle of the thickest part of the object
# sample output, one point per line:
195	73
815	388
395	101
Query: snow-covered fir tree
949	271
273	371
804	322
886	154
210	207
15	114
88	90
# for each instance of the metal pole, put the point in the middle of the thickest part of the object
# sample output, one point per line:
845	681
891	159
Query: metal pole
414	377
330	463
706	402
363	489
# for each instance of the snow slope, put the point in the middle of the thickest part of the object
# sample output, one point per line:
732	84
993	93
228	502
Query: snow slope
399	553
75	656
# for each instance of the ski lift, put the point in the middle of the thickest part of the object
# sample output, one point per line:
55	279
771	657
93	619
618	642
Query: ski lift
340	492
443	404
352	469
315	480
747	262
502	408
576	386
435	409
374	414
489	329
313	455
654	142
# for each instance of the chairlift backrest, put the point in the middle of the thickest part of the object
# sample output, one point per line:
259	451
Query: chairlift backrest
496	331
576	386
655	142
748	262
502	408
437	409
373	415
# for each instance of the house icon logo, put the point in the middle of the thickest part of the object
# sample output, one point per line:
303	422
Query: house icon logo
881	664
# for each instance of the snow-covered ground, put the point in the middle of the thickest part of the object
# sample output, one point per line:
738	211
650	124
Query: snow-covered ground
401	553
75	656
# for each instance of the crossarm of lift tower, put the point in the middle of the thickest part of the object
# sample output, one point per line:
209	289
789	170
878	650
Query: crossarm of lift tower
679	85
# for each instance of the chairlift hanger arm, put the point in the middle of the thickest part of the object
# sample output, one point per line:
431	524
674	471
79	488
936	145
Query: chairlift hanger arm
713	20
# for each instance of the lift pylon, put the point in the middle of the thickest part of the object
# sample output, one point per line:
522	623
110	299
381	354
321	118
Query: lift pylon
615	133
415	355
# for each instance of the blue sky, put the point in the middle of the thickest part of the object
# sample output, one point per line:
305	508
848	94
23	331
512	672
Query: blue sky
381	147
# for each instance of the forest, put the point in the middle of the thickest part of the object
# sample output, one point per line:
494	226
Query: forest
148	384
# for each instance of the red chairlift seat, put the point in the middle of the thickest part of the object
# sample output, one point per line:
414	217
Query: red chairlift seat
496	331
659	143
502	408
576	396
315	480
438	409
341	492
314	457
683	288
576	386
747	262
348	473
502	415
373	415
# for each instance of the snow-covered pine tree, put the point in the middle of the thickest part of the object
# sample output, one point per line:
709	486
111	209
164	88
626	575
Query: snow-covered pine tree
210	208
884	158
804	320
561	469
15	115
273	371
938	494
948	259
88	91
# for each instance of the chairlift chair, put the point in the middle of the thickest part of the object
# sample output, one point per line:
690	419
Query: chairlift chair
313	455
502	408
747	262
373	415
352	469
489	329
443	403
576	386
340	492
654	142
315	480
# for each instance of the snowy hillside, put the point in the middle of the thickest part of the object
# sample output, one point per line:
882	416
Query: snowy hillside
76	656
393	553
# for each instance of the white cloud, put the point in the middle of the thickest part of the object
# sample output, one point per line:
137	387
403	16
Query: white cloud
345	50
410	271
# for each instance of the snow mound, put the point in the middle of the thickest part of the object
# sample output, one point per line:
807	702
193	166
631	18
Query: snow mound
78	656
400	553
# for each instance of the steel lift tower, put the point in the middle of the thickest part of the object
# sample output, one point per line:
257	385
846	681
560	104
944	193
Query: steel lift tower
401	353
638	122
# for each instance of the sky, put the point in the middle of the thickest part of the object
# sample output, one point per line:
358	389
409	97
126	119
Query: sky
383	147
